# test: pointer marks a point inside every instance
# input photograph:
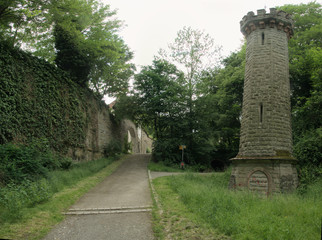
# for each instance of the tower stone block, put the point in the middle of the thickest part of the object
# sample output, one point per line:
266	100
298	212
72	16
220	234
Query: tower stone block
265	162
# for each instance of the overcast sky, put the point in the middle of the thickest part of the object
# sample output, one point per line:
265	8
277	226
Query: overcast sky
153	24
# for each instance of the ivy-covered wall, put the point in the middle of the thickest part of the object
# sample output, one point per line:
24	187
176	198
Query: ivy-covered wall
39	101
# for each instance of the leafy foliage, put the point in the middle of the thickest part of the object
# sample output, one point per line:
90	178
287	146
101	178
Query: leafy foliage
80	36
113	148
160	95
21	162
22	21
39	101
161	98
193	51
88	47
306	82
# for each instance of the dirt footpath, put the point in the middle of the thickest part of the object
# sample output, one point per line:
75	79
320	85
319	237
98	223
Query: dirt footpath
119	208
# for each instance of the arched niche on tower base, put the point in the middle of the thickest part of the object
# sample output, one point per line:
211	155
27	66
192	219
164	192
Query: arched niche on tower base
260	180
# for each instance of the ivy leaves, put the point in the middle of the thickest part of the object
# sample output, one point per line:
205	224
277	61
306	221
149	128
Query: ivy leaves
38	101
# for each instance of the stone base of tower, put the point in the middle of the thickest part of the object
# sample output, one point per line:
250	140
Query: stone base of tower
264	175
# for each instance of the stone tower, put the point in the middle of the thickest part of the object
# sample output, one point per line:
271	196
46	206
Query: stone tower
265	162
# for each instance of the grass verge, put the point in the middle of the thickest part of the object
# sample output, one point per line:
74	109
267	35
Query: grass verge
161	167
194	203
175	220
36	221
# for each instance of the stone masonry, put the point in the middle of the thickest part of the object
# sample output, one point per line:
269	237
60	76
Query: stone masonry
265	162
101	130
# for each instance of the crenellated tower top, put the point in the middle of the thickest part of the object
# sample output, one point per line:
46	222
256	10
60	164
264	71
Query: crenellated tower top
275	19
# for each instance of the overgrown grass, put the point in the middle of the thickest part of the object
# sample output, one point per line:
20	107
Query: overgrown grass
176	221
15	199
242	215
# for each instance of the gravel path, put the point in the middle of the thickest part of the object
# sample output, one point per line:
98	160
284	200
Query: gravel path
117	209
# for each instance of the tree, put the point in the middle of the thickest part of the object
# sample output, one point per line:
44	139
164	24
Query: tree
161	100
222	100
159	94
193	51
88	46
305	49
22	21
80	36
305	67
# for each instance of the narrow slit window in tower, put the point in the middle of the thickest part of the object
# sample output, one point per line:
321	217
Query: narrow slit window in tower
261	113
263	38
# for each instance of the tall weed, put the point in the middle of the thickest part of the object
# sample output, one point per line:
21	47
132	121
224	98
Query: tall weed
244	215
15	197
33	161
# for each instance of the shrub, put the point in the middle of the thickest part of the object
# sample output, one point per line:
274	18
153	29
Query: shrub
308	148
166	151
113	148
65	163
20	162
16	196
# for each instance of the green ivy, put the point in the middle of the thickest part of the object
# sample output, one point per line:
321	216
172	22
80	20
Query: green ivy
37	100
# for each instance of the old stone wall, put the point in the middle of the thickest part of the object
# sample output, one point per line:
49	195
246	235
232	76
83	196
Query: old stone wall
101	129
136	137
41	104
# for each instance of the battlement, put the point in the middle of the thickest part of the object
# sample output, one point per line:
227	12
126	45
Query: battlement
275	19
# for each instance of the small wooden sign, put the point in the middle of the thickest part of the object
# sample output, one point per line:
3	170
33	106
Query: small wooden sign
181	147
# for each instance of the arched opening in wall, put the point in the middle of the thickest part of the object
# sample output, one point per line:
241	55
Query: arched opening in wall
131	139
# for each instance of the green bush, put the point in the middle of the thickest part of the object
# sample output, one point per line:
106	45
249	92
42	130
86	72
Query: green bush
308	148
113	148
21	162
308	151
66	163
166	151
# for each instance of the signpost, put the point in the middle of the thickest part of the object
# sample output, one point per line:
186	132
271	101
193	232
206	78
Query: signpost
182	147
